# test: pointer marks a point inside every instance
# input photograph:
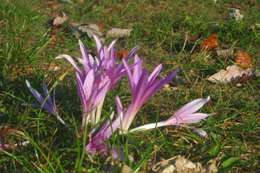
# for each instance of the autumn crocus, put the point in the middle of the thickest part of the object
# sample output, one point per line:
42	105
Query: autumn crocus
143	86
47	101
95	77
186	115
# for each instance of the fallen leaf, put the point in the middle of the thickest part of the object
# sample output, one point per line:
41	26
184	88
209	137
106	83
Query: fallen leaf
118	33
169	169
59	19
243	59
180	164
90	29
225	53
234	13
210	43
6	131
6	138
212	166
122	53
231	74
126	169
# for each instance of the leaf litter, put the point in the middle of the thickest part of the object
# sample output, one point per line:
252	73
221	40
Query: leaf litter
180	164
237	73
59	19
118	33
11	138
231	74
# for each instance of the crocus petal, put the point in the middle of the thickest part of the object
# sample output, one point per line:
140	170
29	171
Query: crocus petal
101	94
112	44
155	73
85	57
137	70
47	94
70	59
131	53
156	85
35	93
141	89
39	98
98	43
88	83
118	105
54	96
192	107
191	118
130	77
81	92
148	127
83	51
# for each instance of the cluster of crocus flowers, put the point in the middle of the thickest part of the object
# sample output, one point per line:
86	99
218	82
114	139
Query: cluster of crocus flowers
96	75
47	101
95	78
143	86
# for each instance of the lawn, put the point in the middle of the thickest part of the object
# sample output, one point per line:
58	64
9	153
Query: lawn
166	32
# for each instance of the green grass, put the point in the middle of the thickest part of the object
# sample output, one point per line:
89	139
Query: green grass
158	29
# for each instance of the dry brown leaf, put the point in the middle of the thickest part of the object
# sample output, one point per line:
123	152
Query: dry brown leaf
118	33
6	133
90	30
234	13
180	164
126	169
210	43
59	19
225	53
243	59
231	74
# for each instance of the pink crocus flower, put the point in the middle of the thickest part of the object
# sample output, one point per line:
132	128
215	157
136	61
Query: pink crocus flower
96	77
185	115
143	86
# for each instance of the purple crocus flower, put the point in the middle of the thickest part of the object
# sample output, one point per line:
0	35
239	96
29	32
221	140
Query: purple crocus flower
47	102
185	115
143	86
96	77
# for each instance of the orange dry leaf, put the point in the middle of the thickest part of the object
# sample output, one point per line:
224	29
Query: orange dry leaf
122	53
6	131
210	43
243	59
